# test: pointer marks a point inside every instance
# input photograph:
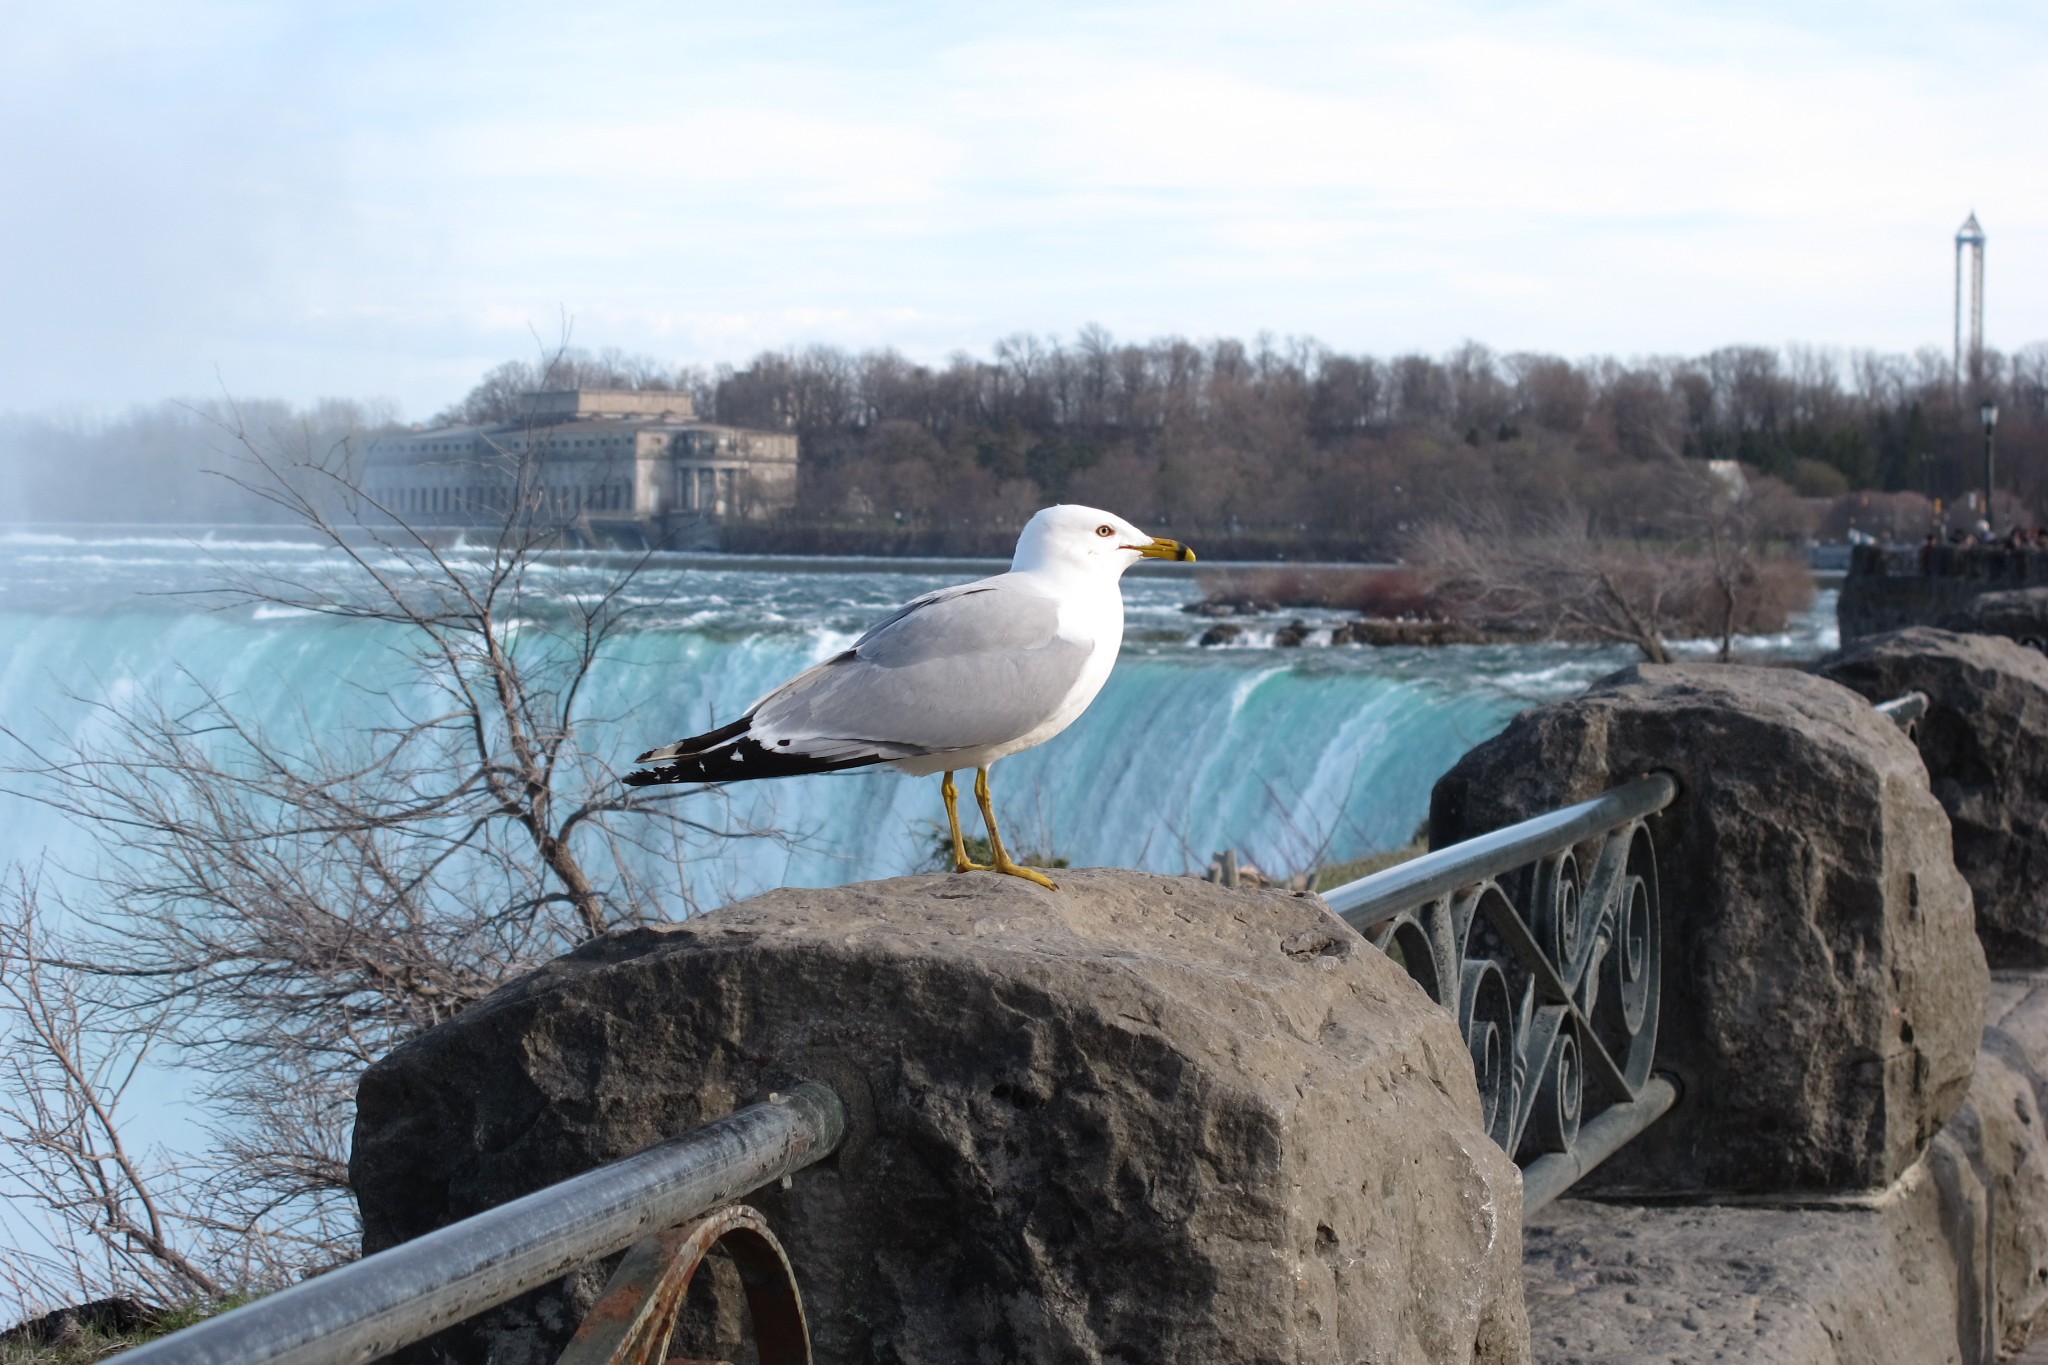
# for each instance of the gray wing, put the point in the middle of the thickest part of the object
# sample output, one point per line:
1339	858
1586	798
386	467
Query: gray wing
957	669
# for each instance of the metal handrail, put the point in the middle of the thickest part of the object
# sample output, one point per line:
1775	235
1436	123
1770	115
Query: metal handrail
1370	900
1904	710
1549	1176
1450	921
376	1305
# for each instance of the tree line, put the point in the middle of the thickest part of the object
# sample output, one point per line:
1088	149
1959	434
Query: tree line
1263	442
1295	439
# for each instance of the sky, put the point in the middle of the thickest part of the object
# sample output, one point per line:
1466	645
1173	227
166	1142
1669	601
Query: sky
384	199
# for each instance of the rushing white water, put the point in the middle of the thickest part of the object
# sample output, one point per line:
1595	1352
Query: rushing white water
1290	755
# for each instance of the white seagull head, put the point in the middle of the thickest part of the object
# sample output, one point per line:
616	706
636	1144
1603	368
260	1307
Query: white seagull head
1070	539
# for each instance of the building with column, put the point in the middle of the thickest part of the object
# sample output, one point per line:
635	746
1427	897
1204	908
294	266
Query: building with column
604	465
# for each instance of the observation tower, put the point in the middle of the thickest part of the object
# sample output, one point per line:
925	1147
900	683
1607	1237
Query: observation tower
1970	240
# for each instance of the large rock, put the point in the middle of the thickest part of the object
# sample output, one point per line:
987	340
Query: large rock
1985	742
1138	1119
1822	990
1944	1265
1891	1280
2019	614
2008	1109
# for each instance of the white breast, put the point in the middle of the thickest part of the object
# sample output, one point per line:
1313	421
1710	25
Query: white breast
1094	619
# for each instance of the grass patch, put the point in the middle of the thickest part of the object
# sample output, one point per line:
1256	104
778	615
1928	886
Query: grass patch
70	1337
978	851
82	1348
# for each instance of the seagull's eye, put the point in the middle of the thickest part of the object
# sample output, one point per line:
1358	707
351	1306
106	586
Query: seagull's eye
1105	530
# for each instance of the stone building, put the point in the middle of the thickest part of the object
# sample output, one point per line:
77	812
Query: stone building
605	465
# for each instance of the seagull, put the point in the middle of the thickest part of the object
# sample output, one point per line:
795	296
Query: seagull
954	679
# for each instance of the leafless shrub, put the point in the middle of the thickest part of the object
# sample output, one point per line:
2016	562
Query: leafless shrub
1559	581
119	1220
284	903
1705	555
1565	582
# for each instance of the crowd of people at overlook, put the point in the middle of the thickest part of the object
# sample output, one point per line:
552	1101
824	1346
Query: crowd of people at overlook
2024	551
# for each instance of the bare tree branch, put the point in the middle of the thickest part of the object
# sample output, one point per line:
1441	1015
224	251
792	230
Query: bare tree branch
1701	563
284	901
71	1058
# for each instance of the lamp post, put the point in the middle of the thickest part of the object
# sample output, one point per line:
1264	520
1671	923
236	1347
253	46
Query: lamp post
1988	411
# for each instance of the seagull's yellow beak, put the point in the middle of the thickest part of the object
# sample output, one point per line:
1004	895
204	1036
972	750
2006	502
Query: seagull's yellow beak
1162	548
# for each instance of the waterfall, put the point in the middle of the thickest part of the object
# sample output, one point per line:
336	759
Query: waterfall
1291	756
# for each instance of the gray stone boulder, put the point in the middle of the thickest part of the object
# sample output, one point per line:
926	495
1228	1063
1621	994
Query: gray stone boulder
1985	742
2009	1110
1946	1264
1822	990
1138	1119
2019	614
1896	1279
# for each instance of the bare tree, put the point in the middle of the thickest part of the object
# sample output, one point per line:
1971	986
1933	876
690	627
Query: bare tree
115	1224
1701	562
1735	519
1558	579
286	902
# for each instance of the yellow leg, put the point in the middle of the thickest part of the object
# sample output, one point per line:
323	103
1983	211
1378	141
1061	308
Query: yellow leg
961	862
1003	862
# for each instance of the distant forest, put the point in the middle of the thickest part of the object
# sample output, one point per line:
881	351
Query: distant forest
1263	442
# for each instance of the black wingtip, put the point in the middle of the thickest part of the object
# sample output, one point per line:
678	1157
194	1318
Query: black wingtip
741	762
697	744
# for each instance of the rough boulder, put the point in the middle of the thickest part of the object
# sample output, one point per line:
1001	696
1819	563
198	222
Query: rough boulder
2019	614
1985	742
1137	1119
1822	991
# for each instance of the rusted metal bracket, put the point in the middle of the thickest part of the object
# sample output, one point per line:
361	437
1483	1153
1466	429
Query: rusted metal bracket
365	1311
633	1320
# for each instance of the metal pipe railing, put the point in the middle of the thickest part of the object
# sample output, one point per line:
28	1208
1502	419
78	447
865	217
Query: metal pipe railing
1418	888
1904	710
1549	1176
374	1306
1370	900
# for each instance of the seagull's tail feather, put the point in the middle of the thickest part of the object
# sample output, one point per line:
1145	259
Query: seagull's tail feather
697	744
740	762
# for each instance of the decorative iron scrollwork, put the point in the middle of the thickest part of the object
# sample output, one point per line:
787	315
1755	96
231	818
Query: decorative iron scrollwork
1555	1001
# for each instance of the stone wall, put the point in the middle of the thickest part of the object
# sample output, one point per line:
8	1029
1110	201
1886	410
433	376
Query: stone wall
1150	1119
1984	740
1889	590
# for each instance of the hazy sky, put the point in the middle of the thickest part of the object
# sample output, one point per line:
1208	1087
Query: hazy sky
385	199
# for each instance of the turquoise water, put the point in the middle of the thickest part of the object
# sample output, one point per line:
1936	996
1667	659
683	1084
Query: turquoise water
1292	756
